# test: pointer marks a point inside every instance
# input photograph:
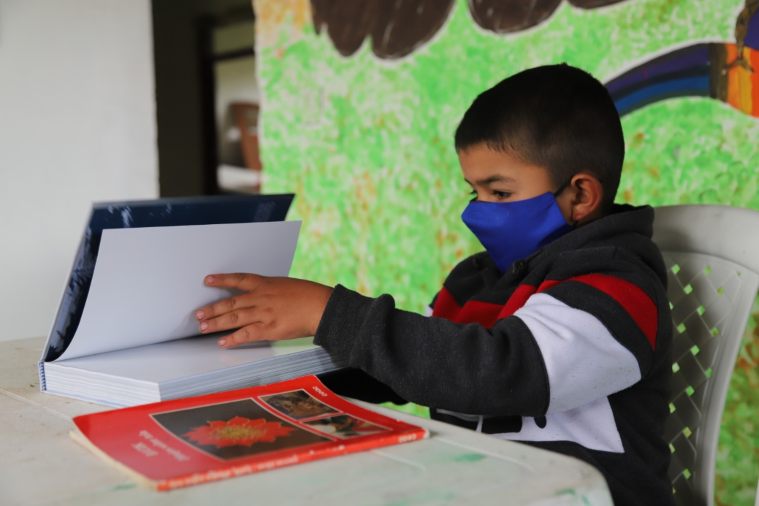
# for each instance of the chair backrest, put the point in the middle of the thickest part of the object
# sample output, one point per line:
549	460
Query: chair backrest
712	255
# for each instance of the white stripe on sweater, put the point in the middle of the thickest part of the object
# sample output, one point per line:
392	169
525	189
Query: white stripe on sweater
584	362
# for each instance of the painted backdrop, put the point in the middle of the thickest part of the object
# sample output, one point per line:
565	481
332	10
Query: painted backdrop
360	102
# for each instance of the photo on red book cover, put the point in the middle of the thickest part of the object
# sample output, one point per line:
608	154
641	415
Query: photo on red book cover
235	429
188	441
298	404
345	426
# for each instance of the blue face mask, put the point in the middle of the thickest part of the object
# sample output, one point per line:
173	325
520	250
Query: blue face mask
513	230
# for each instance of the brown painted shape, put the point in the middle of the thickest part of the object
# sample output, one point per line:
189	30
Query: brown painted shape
408	24
347	22
593	4
396	28
506	16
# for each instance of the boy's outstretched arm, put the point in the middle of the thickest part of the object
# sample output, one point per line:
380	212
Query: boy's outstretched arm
431	361
565	347
270	308
587	333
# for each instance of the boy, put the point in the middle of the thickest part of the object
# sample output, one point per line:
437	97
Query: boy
557	335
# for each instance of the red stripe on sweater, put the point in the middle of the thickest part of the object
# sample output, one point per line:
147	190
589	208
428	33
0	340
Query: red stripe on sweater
632	298
517	300
473	311
521	294
445	305
548	283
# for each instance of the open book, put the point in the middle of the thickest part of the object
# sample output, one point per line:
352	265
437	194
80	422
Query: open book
184	442
125	332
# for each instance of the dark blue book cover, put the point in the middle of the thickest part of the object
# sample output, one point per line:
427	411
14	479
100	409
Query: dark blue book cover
148	213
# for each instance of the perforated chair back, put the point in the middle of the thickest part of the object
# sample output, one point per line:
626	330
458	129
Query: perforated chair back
712	256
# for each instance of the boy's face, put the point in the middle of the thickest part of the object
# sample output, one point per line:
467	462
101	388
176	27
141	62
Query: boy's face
496	176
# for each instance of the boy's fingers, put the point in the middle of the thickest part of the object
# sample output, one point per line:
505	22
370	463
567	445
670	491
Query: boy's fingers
231	320
239	281
247	334
224	306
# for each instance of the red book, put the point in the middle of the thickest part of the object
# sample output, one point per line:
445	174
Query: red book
184	442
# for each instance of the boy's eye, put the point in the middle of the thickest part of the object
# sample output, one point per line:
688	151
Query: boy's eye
496	194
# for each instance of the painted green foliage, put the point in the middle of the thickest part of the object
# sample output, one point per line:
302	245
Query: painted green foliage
366	144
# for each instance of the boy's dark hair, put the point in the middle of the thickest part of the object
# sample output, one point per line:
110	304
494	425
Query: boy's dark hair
555	116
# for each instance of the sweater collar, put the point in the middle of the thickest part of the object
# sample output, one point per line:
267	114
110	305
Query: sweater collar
624	219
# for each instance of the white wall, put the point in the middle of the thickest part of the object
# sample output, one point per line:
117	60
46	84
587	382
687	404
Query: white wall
77	124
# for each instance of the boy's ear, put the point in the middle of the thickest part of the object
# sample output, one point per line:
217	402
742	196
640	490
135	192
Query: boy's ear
586	198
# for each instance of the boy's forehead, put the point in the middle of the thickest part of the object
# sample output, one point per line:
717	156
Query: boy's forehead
482	164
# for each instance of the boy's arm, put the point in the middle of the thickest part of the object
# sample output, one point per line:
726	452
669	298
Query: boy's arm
434	362
357	384
577	340
431	361
581	337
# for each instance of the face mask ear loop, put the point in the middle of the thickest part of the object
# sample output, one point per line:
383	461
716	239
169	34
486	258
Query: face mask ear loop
561	188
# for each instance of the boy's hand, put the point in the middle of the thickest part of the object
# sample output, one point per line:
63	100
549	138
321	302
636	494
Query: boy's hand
268	309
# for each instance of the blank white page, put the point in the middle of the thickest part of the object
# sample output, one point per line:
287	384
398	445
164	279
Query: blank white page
183	358
148	282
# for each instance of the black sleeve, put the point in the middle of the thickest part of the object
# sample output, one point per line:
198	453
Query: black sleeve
434	362
357	384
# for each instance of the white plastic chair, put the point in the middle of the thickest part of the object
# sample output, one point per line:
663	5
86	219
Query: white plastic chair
712	255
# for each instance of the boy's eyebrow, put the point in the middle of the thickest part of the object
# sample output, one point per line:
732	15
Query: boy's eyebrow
495	178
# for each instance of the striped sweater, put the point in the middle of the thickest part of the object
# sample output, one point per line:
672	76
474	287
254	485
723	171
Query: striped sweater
568	350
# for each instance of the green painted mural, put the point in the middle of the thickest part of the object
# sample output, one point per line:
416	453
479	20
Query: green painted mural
361	129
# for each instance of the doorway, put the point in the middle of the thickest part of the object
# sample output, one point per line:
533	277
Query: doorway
206	97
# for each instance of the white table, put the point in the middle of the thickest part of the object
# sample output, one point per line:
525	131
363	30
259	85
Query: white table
40	464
